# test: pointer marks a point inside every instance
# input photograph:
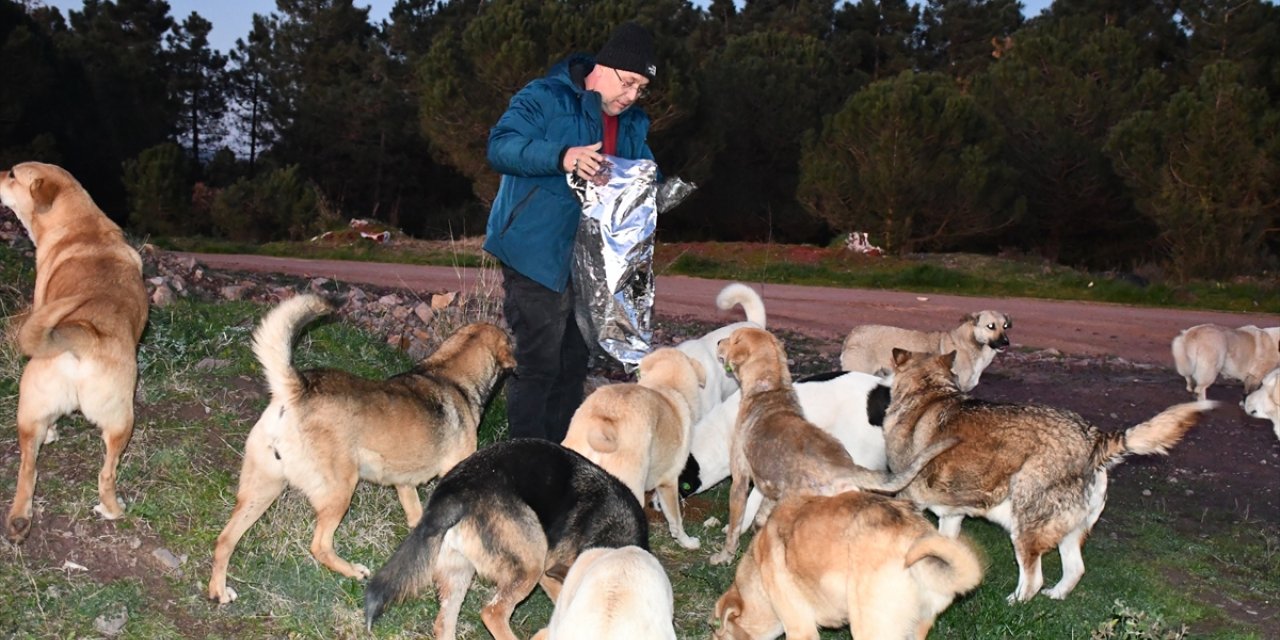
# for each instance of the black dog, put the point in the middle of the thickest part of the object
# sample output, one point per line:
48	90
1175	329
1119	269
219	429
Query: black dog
518	513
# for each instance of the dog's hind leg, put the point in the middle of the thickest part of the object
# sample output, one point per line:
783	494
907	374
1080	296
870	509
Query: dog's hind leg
115	437
331	499
33	426
510	551
1028	550
261	482
452	575
1072	564
669	504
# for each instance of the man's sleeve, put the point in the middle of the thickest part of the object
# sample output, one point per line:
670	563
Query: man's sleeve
518	145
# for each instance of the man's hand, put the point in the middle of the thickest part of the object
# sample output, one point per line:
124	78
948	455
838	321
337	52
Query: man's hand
584	161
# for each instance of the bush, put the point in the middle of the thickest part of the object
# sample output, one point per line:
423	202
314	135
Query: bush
159	189
275	205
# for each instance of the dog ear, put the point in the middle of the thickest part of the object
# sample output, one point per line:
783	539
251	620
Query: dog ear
1008	322
43	193
728	608
557	572
900	357
948	359
700	371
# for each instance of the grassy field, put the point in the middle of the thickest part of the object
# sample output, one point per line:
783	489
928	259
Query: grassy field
199	395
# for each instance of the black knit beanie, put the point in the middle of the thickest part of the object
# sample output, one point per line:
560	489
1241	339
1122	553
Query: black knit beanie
630	48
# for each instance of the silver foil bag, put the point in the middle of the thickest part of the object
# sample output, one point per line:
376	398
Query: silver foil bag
613	258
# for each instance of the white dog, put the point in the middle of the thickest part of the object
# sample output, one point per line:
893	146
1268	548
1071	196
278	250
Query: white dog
619	594
848	405
720	385
1264	402
1205	351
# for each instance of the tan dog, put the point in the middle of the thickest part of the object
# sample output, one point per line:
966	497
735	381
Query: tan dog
618	594
857	558
775	447
81	333
1264	402
1205	351
976	341
1039	472
640	432
325	430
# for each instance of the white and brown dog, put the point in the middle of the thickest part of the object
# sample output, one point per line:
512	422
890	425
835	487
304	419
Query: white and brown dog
1205	351
81	332
975	341
720	385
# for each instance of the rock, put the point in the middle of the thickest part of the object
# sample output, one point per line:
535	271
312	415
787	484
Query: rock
111	625
163	296
166	558
424	312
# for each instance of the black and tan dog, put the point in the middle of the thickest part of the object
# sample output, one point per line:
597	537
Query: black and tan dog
325	430
81	332
775	447
1039	472
518	513
858	558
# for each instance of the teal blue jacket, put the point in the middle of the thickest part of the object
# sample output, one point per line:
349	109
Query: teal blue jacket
535	216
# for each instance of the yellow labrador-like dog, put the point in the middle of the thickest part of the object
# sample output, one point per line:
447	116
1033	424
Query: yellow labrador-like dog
640	433
858	558
325	430
976	341
1205	351
775	447
614	594
81	332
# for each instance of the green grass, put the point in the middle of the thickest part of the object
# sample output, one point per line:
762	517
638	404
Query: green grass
201	392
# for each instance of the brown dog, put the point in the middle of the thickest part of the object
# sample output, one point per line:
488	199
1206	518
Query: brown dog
976	340
1039	472
81	333
326	430
775	447
640	432
858	558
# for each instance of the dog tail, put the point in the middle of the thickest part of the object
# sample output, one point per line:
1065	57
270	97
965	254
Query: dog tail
738	294
1154	436
948	566
45	334
273	342
887	482
408	570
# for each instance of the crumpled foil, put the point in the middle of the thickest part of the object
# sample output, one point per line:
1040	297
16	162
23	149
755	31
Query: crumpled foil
613	254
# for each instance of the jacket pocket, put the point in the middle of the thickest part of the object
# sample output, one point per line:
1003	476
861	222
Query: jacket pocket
516	210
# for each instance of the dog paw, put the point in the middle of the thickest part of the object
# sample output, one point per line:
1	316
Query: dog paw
724	557
1056	593
51	434
108	514
225	596
362	572
19	529
688	542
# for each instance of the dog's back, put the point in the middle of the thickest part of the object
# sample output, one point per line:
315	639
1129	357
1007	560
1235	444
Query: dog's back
511	496
619	594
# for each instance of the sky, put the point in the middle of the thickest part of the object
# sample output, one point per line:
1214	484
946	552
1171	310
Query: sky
232	19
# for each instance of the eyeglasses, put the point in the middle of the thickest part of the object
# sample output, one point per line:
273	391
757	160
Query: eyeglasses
627	85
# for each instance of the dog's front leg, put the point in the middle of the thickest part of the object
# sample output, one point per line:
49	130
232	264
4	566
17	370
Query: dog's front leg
737	500
669	502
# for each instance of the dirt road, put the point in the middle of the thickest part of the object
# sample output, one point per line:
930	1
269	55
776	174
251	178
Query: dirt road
1139	334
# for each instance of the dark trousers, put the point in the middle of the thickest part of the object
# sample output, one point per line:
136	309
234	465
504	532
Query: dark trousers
551	358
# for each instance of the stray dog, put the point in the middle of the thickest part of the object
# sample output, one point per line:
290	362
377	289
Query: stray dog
1264	402
858	558
81	333
777	449
325	430
619	594
719	384
1039	472
640	432
1205	351
849	405
980	336
517	512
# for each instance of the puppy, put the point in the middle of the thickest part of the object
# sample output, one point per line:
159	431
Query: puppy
976	342
1039	472
325	430
721	385
81	332
777	449
848	405
1264	402
857	558
640	432
1205	351
620	594
518	512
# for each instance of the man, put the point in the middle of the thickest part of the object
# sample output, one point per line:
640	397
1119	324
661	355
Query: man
555	125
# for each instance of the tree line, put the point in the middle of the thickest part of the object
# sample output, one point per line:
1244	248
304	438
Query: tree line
1101	133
